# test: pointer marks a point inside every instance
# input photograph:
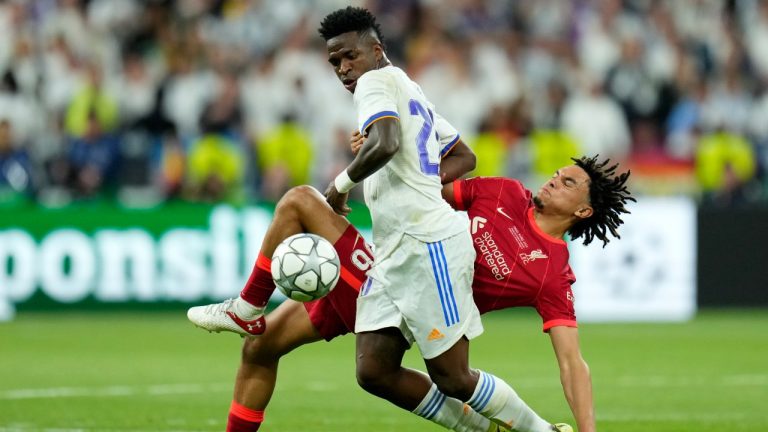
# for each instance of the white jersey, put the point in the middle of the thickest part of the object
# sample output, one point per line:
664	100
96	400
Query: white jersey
404	196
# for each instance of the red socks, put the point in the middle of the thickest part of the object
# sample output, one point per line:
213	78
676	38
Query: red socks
260	286
242	419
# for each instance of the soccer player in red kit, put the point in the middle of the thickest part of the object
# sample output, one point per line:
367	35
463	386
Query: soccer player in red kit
517	263
522	260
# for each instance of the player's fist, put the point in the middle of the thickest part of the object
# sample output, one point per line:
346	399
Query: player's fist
337	200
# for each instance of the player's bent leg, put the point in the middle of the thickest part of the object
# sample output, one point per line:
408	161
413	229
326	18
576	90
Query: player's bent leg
379	371
301	209
289	327
451	373
483	392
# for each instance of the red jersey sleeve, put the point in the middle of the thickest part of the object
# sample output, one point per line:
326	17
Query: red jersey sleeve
555	302
467	190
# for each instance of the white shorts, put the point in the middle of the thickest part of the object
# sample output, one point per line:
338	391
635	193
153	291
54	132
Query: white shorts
425	290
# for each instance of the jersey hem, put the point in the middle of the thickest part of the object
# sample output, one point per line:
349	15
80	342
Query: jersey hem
450	146
559	322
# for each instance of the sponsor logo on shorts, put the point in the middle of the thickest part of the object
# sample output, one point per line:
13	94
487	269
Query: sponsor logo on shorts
435	335
534	255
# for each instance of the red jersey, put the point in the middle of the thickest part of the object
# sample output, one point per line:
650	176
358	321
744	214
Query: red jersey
517	264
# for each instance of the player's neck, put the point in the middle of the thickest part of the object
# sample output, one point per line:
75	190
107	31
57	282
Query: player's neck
550	224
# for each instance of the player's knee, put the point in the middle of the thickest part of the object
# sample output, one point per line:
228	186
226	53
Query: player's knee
372	377
456	385
259	350
298	196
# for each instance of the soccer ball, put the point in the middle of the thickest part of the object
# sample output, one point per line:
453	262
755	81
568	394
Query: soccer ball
305	267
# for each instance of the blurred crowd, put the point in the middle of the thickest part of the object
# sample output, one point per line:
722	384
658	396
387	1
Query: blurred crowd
233	100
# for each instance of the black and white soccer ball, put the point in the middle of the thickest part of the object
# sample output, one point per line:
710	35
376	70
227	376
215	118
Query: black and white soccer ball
305	267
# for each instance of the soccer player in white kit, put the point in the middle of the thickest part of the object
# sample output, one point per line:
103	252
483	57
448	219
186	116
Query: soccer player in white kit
419	288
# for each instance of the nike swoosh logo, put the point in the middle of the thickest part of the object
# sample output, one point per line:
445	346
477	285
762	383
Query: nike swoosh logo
501	210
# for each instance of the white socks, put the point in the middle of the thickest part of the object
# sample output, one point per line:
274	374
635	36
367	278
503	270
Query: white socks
245	310
496	400
451	413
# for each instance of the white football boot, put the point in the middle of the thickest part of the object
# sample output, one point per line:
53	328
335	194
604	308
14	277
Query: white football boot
223	316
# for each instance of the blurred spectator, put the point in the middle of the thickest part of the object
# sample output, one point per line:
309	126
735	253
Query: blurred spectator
596	122
134	89
15	169
92	104
284	155
551	149
91	159
215	168
725	164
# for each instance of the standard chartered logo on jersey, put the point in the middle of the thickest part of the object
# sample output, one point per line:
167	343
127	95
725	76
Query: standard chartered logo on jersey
119	265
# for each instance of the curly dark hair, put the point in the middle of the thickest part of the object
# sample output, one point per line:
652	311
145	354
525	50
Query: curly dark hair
608	194
349	19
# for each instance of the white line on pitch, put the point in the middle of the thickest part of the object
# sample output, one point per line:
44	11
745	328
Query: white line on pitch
718	417
113	391
37	429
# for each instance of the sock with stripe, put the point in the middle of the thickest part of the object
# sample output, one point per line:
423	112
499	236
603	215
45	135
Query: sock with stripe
258	289
243	419
496	400
451	413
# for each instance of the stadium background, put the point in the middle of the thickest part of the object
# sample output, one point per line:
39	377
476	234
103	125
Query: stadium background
144	143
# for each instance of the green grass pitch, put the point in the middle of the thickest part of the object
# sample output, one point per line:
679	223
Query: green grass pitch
156	372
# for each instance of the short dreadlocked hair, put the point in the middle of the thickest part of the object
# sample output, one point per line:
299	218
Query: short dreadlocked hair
347	20
608	194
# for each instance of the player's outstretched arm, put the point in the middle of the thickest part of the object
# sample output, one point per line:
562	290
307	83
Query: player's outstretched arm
574	375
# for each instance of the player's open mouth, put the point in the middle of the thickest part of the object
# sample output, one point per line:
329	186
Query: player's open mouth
349	84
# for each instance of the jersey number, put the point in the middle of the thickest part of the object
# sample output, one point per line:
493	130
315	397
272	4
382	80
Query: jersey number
417	109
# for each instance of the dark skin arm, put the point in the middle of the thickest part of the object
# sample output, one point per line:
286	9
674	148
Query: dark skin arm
382	143
459	161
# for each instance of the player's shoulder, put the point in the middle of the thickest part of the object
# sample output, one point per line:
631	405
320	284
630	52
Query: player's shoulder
496	182
384	75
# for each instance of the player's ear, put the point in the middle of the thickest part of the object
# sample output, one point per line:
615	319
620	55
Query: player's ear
584	212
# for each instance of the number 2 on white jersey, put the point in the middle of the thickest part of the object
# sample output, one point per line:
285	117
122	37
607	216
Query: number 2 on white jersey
427	167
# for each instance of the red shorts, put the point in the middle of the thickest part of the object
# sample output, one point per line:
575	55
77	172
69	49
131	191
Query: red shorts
334	314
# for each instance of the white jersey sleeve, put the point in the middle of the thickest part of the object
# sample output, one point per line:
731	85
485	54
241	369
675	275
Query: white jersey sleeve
447	135
375	98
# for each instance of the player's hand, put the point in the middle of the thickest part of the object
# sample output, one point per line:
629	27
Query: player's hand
337	200
356	142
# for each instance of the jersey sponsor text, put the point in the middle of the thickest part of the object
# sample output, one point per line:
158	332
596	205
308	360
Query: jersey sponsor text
492	255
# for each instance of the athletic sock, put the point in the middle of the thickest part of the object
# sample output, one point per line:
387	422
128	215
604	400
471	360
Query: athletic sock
450	413
496	400
259	287
242	419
